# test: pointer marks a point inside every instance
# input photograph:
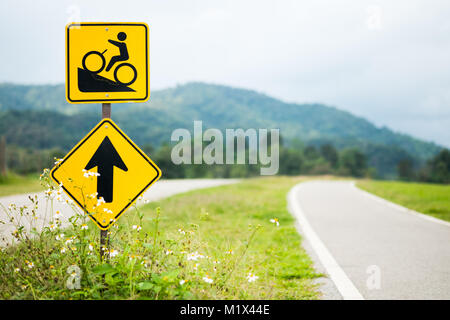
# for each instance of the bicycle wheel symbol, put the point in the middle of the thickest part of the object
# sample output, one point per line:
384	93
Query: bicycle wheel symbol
125	65
116	70
95	53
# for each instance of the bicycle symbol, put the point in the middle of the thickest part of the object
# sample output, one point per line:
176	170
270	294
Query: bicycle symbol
122	57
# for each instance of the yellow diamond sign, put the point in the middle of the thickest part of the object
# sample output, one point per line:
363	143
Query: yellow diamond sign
107	62
105	173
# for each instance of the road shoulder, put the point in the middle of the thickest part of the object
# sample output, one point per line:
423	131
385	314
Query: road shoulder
337	285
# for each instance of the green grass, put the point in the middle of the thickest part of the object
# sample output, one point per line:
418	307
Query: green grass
224	214
152	262
431	199
15	184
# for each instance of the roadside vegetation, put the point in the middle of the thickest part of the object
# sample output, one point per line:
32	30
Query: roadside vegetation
436	170
431	199
230	242
38	118
297	159
16	184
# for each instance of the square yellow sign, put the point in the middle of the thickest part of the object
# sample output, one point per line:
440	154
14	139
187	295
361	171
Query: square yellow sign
105	173
107	62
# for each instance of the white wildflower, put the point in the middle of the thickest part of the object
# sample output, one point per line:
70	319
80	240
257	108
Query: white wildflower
88	174
251	277
100	201
275	221
113	253
194	256
208	279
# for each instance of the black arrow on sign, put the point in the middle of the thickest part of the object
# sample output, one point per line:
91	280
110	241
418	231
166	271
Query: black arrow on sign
105	159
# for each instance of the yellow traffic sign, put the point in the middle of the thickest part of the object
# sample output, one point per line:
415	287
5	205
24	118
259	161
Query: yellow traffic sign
105	173
107	62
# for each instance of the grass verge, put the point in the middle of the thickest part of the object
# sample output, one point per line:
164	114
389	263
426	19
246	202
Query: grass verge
15	184
431	199
217	243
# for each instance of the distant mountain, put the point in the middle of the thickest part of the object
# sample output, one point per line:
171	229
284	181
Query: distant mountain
39	116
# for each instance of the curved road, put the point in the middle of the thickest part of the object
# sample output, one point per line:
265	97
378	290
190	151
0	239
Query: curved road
370	246
161	189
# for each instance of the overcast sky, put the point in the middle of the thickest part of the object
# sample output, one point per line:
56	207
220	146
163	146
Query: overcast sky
388	61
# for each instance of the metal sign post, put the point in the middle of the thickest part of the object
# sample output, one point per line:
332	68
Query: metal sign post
104	237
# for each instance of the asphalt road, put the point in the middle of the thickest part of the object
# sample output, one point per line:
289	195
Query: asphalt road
370	246
161	189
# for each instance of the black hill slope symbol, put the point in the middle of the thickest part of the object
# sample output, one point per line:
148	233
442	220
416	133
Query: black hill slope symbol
92	82
105	159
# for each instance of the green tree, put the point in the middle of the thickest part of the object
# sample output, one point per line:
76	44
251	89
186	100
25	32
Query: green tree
148	149
164	161
353	162
330	154
291	161
405	170
439	167
311	153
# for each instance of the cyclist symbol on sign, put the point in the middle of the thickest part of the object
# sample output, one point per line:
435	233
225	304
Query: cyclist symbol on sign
90	81
122	49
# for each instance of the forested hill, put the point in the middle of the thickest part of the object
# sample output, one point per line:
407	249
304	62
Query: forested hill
39	117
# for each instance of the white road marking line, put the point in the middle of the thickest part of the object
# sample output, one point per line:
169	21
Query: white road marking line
345	286
400	208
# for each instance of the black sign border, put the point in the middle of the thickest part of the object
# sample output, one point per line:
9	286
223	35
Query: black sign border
106	24
158	171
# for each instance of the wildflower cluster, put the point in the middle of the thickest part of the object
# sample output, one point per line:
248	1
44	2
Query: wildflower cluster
88	174
139	261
